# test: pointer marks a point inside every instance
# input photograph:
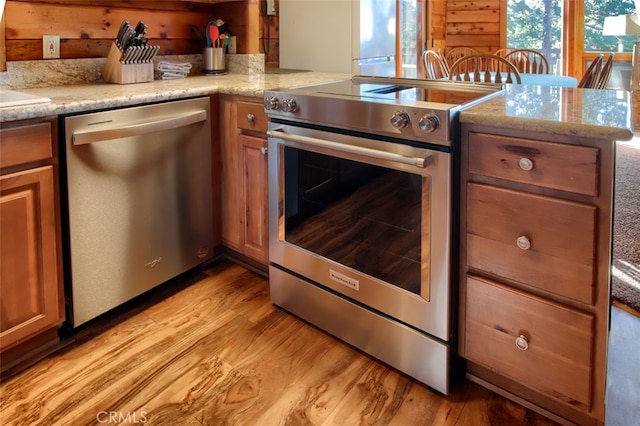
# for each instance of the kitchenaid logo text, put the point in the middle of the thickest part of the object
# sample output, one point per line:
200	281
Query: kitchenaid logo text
344	280
119	417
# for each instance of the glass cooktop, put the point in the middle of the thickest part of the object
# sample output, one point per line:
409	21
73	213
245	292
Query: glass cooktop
403	90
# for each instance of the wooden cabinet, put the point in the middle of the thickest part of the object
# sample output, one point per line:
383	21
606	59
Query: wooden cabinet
244	179
31	301
535	250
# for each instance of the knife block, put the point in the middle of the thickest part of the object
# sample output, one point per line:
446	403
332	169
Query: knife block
115	71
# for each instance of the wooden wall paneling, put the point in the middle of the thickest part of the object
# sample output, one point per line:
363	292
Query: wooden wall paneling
437	25
94	28
3	45
23	50
188	5
465	5
473	24
252	19
29	20
269	37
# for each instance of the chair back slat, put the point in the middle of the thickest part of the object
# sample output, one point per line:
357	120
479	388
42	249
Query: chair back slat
605	73
529	61
457	52
484	68
590	77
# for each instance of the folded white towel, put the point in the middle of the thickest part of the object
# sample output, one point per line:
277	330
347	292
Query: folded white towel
173	66
169	75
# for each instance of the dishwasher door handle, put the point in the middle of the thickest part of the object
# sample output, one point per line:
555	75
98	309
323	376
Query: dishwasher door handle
138	128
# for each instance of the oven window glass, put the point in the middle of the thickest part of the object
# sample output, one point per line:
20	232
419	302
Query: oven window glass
363	216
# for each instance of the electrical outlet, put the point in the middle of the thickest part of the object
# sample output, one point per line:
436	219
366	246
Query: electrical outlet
231	48
271	7
50	46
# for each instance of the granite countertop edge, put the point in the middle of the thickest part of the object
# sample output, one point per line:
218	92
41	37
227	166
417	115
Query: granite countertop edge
559	128
573	112
588	113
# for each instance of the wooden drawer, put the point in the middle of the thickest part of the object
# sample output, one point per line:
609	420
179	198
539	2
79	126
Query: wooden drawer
561	236
558	166
558	359
251	116
25	144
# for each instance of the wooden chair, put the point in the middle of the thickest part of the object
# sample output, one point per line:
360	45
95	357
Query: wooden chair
484	68
529	61
456	53
605	73
590	77
435	67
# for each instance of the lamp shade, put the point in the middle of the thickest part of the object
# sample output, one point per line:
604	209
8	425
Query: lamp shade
621	25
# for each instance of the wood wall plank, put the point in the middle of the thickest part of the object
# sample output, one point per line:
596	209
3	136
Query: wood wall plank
473	16
437	24
87	28
191	5
453	5
3	46
31	21
476	28
475	24
22	50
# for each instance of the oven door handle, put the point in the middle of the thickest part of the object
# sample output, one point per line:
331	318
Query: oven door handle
373	153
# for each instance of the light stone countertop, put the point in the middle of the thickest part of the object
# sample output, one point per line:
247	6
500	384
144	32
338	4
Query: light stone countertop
95	96
572	112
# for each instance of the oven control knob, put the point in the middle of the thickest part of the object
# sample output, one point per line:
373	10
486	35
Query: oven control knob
289	105
400	120
271	103
429	123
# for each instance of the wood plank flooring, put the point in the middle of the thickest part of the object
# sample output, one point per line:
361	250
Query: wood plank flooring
211	349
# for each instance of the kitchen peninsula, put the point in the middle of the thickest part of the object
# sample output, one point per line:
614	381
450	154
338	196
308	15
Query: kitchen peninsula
536	118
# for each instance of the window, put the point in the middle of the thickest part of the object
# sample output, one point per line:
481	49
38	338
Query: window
546	25
594	13
536	24
410	37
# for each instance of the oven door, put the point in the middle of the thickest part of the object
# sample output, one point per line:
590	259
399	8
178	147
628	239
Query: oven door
365	218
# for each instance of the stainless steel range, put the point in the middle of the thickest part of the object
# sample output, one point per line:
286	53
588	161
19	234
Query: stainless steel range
360	213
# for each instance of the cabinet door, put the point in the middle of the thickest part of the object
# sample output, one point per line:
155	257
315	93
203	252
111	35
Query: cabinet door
29	292
253	160
230	191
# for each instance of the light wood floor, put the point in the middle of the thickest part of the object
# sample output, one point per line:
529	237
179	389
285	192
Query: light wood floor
211	349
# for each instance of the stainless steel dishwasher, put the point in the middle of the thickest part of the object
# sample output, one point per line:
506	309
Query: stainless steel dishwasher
138	184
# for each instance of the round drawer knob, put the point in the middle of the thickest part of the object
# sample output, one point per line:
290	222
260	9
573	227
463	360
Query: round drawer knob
525	164
523	243
522	343
251	118
264	150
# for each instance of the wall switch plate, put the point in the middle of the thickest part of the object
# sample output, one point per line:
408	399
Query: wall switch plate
50	46
271	7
